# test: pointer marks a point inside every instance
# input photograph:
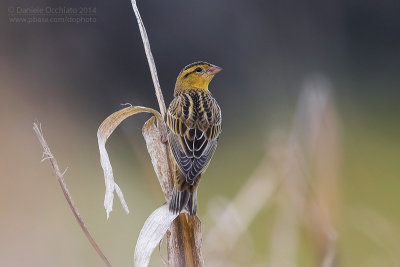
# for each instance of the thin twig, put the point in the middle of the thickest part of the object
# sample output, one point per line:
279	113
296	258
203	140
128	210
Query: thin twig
150	59
53	162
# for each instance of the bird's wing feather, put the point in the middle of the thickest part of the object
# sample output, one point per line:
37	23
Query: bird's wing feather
194	121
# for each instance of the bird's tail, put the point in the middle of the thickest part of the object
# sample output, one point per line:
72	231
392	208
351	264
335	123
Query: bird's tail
183	200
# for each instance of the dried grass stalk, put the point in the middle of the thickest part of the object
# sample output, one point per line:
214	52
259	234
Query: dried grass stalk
185	227
158	151
184	235
47	155
186	232
150	59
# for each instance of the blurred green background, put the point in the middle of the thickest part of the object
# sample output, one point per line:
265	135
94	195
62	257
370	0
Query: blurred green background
70	76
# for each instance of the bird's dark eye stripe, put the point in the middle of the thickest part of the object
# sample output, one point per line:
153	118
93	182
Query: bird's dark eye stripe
198	69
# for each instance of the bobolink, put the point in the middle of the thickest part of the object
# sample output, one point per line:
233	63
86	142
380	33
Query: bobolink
194	122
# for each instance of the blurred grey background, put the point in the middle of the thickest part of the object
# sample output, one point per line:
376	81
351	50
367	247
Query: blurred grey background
70	76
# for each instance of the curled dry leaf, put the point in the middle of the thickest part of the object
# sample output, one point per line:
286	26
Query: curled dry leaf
151	234
158	152
103	133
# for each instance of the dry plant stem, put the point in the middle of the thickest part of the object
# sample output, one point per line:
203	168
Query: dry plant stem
186	231
158	151
53	162
150	59
184	237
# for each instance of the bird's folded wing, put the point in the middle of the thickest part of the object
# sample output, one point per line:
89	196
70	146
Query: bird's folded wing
193	135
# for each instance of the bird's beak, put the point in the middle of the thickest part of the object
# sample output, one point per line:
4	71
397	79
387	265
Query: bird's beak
213	70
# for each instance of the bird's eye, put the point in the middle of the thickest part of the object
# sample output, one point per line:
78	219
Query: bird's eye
198	69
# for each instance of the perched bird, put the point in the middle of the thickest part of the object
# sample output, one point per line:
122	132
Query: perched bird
194	122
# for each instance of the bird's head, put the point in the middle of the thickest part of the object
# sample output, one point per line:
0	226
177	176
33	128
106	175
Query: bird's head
196	76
